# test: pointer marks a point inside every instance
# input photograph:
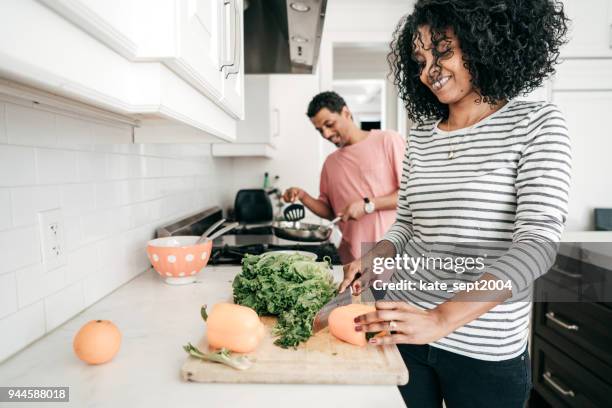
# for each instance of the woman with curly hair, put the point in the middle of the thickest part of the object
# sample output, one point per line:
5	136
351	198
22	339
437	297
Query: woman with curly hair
480	167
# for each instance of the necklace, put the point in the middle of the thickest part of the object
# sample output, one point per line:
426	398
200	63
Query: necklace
451	146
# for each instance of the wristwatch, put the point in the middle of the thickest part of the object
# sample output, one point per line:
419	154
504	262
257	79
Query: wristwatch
369	206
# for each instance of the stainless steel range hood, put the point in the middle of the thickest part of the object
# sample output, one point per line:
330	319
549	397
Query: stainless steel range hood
282	36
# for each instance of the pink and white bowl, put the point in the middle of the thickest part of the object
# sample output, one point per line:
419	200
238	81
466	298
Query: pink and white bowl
178	259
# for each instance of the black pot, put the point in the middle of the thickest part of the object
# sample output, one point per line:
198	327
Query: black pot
253	206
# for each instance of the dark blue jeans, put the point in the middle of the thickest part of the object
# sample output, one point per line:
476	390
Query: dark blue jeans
436	375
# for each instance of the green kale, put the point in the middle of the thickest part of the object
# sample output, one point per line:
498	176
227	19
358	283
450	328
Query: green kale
290	286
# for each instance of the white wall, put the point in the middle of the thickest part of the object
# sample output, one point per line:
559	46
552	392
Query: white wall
112	196
296	160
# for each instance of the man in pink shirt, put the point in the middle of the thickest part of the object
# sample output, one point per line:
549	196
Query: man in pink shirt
359	181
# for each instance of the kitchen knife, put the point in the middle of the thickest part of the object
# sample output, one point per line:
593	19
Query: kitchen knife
321	319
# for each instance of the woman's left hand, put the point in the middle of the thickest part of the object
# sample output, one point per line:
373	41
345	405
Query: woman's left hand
409	324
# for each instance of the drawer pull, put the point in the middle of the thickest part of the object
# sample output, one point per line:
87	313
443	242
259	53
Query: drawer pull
551	316
567	274
548	378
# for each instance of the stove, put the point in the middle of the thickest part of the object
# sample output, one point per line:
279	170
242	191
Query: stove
229	249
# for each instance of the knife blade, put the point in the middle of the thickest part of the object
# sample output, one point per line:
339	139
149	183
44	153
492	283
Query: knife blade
321	319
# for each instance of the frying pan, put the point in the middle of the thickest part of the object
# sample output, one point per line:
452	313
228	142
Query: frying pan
302	231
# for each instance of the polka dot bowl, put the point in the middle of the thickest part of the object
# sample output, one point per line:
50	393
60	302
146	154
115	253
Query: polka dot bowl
177	259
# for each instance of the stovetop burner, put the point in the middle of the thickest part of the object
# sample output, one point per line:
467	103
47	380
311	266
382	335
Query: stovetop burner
232	255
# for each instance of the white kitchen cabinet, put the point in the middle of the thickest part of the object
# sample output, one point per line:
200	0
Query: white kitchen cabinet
150	60
591	28
258	134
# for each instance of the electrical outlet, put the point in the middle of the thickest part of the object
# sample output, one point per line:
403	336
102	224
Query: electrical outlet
52	241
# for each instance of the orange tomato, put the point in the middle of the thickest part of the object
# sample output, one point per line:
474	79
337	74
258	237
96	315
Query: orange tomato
342	323
97	342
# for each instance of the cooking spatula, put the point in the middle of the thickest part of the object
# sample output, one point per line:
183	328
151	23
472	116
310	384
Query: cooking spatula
294	212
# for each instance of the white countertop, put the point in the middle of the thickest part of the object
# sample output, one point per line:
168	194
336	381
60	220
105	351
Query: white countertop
156	320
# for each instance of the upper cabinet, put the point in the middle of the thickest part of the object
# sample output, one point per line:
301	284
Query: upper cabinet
590	28
171	64
258	134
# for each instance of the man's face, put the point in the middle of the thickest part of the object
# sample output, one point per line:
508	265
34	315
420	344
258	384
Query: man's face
333	126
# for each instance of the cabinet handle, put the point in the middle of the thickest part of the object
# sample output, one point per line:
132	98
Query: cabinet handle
237	41
276	114
548	378
556	269
551	316
226	62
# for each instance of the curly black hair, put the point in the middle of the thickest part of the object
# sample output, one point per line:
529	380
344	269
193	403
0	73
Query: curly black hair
329	99
509	47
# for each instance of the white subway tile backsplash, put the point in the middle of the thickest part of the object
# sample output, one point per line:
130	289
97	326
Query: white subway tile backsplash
6	218
91	167
153	167
8	294
112	195
19	247
77	199
31	127
28	201
3	136
17	166
95	226
72	230
34	283
75	133
81	263
24	326
111	138
63	305
118	166
56	166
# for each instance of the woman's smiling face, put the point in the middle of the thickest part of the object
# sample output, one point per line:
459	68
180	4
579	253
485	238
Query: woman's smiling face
447	78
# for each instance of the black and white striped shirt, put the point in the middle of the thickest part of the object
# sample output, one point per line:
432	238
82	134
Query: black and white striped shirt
507	183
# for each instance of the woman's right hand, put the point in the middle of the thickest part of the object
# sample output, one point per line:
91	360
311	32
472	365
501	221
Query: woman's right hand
353	273
292	194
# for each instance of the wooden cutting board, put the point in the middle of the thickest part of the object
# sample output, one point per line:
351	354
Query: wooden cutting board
323	359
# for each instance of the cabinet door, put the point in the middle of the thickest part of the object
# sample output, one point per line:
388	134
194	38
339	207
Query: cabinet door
591	28
200	43
233	48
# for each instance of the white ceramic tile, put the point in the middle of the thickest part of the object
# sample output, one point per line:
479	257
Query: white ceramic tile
3	137
24	326
63	305
72	228
136	166
18	248
8	294
123	218
74	133
153	167
77	199
17	166
95	226
135	191
100	283
118	166
34	283
28	201
81	262
92	166
56	166
111	252
152	189
110	134
31	127
6	219
112	194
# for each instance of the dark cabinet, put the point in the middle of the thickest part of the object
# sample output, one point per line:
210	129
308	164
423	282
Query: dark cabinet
572	336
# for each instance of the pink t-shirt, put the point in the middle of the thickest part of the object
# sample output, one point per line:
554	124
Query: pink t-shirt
370	168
